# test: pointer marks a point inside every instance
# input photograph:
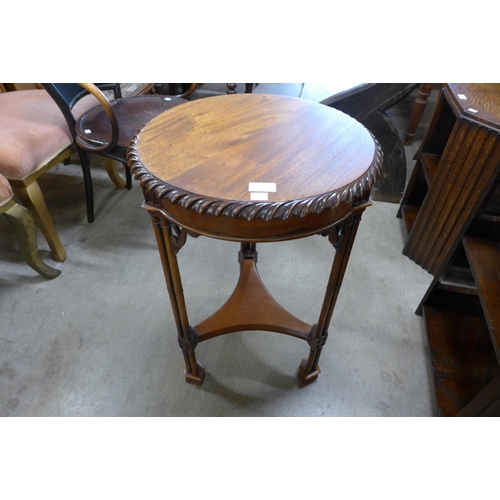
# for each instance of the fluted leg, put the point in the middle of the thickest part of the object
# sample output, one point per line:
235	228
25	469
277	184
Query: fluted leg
342	239
170	240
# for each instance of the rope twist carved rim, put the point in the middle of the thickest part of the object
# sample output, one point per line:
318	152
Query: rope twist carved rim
158	190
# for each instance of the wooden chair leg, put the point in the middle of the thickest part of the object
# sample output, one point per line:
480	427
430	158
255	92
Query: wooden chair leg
112	170
87	180
32	198
25	229
418	110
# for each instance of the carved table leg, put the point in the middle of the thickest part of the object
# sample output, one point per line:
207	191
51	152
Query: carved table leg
170	239
256	309
342	238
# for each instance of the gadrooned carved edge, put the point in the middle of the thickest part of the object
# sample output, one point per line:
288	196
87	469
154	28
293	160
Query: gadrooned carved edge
158	190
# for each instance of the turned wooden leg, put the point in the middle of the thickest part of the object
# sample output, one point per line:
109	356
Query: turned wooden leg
418	110
342	238
231	88
170	239
32	198
25	229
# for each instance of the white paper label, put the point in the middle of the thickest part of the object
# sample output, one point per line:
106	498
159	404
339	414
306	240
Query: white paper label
462	96
258	196
472	110
88	131
262	187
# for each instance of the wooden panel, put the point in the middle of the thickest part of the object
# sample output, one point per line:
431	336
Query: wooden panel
409	213
483	251
462	356
481	103
466	172
430	164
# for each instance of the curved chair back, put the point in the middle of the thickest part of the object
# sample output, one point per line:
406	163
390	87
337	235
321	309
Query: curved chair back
66	95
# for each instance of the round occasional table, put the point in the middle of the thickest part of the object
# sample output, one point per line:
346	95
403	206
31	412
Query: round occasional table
254	168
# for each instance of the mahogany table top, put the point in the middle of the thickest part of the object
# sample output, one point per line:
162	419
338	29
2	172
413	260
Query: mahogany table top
217	146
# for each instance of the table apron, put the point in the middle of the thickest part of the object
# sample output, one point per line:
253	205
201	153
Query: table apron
256	230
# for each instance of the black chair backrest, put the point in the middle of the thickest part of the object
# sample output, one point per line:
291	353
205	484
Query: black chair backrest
66	95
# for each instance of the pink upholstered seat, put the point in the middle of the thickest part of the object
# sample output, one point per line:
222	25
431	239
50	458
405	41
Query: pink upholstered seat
34	136
33	130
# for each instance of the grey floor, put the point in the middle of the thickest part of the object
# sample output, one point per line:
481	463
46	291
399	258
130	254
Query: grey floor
100	339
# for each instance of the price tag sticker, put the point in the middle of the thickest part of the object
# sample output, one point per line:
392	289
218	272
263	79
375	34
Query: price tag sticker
262	187
258	196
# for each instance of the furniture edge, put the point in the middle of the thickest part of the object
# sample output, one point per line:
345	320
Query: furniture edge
158	190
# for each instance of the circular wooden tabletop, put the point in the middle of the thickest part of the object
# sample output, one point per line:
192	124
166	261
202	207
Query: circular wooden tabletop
255	167
217	146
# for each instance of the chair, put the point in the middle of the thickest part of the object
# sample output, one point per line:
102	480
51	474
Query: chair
108	128
34	137
24	226
172	89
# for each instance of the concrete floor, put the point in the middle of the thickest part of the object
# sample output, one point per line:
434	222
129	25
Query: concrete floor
100	339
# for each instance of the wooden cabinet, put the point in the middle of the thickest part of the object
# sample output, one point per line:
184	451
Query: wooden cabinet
462	318
456	169
451	209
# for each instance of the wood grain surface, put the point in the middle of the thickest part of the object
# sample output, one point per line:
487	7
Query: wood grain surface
217	146
476	101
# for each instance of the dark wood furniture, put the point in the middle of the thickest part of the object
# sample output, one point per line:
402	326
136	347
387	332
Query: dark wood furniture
183	90
462	318
197	165
451	209
231	88
368	103
456	169
106	129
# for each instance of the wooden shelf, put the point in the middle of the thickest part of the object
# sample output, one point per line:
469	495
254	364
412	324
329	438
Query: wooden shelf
455	175
455	191
462	355
409	214
491	209
430	164
482	245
